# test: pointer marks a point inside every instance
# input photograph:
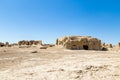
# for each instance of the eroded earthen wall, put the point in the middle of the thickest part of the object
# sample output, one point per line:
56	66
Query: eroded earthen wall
31	42
79	42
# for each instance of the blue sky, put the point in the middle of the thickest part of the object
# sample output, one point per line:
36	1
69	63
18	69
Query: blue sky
49	19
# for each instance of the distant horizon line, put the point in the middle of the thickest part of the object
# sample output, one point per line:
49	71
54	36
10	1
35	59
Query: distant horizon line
16	41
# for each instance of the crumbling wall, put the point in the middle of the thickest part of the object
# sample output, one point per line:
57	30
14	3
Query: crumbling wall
94	44
107	46
79	42
2	44
31	42
6	44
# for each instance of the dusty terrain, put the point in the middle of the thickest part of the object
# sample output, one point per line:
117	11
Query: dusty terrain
58	64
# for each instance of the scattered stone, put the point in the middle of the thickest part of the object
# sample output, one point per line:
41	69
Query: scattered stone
43	47
104	49
61	70
34	52
4	51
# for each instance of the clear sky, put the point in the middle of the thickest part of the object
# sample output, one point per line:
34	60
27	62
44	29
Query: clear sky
49	19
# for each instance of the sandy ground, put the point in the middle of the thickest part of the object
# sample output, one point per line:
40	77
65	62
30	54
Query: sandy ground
58	64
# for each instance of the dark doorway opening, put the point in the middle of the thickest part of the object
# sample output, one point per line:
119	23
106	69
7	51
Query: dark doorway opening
85	47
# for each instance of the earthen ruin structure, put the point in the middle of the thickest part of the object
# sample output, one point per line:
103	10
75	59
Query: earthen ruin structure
79	42
31	42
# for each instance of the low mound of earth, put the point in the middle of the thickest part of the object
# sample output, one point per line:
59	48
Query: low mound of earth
61	64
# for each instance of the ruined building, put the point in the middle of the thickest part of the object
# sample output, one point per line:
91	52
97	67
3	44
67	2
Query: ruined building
79	42
2	44
5	44
107	45
31	42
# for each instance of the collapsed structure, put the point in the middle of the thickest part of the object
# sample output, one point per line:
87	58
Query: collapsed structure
2	44
5	44
79	42
31	42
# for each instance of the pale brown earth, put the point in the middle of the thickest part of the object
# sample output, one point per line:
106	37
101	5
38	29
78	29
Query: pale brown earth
58	64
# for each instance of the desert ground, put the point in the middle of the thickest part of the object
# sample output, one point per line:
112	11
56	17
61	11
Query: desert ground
58	64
